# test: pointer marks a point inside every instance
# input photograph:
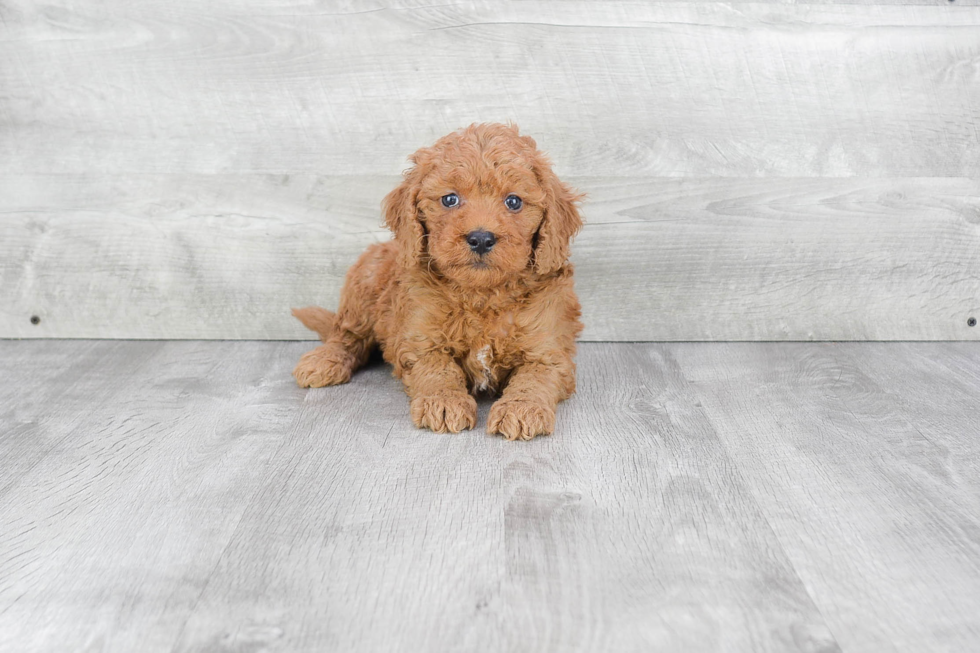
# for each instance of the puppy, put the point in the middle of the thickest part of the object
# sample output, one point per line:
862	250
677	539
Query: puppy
473	294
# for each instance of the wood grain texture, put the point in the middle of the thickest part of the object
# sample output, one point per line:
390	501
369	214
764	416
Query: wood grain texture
607	537
864	457
36	376
120	523
610	89
188	170
226	256
214	506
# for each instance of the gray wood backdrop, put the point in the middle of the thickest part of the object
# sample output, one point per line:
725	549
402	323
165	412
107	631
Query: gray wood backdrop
755	171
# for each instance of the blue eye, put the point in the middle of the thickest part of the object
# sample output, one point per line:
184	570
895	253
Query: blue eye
514	203
451	200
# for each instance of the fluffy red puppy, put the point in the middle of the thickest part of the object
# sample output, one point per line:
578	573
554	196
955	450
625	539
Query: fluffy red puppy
473	294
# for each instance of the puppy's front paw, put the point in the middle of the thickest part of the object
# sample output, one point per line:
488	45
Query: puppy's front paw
520	419
322	366
450	412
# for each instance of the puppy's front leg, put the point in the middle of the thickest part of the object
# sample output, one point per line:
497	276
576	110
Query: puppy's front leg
527	406
436	386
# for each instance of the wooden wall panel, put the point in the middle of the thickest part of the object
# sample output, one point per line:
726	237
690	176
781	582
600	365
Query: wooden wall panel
610	89
756	170
226	256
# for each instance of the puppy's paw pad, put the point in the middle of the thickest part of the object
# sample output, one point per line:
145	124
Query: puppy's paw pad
321	367
520	419
441	413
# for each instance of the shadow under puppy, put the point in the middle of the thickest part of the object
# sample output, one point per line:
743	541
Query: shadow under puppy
473	294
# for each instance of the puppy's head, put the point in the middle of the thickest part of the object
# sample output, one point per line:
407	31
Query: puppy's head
482	206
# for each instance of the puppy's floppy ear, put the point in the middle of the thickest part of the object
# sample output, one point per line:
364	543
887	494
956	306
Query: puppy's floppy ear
401	213
560	223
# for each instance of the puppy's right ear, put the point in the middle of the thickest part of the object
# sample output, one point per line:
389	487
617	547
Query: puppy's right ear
401	213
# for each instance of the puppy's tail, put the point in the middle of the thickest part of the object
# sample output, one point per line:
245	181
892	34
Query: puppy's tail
317	319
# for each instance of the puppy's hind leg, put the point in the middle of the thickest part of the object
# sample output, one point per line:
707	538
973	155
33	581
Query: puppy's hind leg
341	353
348	337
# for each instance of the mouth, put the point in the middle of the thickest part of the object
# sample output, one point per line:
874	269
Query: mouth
480	265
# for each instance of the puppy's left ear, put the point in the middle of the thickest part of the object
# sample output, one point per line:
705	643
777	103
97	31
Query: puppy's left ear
561	221
401	214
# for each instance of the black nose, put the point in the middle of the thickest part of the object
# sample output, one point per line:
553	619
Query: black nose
481	242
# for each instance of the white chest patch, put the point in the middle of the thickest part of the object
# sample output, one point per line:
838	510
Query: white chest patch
485	358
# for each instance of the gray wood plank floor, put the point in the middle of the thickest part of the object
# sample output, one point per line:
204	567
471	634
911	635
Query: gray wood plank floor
187	496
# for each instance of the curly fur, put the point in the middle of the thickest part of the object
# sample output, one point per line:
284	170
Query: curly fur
449	321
